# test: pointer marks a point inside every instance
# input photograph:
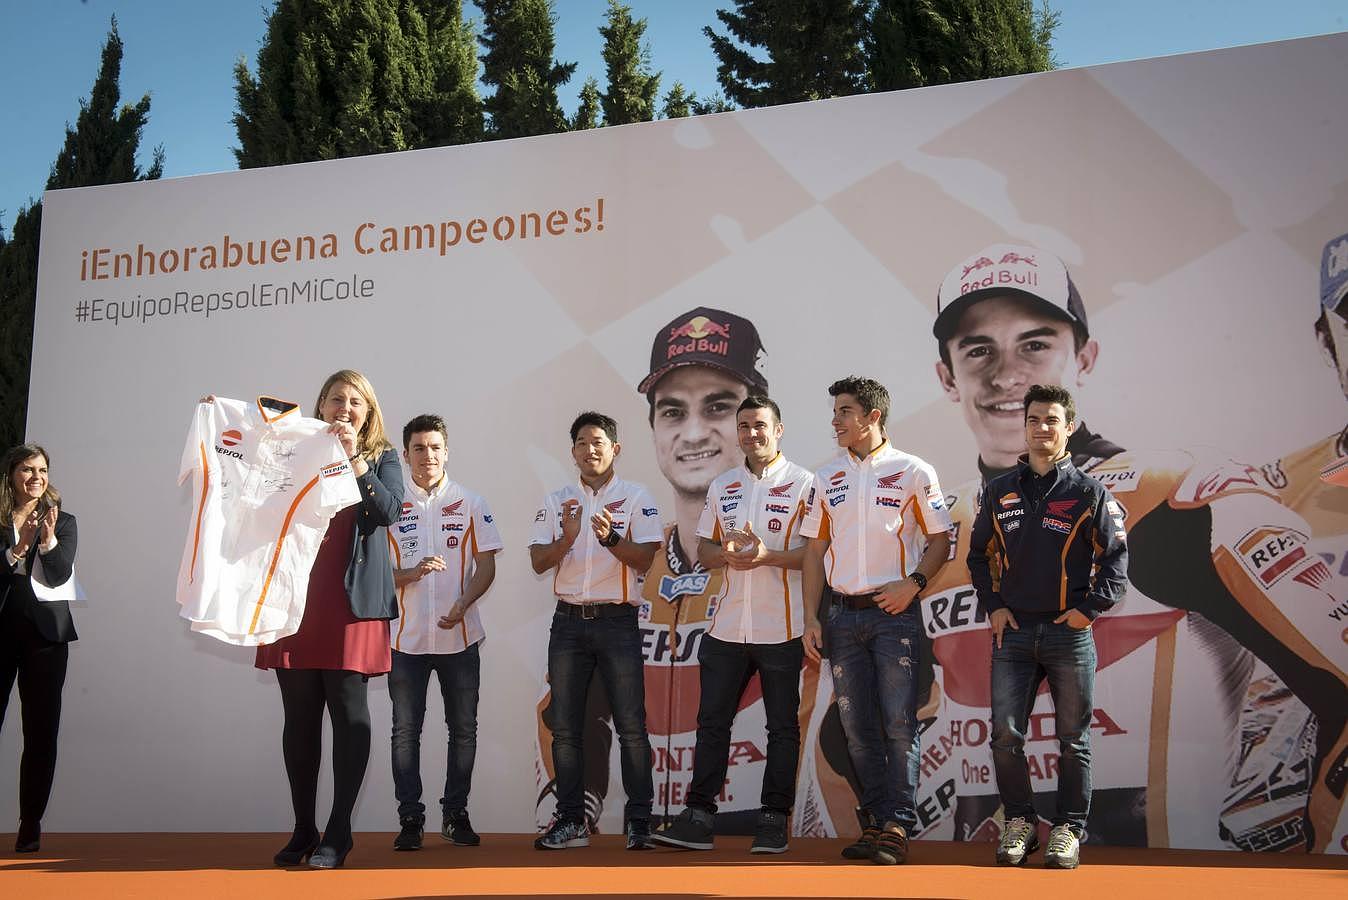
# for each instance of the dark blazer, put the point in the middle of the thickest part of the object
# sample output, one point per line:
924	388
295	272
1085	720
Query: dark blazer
53	619
369	577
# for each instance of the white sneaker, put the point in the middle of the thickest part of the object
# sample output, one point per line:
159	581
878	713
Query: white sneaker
1020	838
1063	850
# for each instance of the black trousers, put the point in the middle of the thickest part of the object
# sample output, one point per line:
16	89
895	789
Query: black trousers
40	668
725	669
305	693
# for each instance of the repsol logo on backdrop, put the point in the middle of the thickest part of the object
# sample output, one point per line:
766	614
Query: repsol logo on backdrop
657	648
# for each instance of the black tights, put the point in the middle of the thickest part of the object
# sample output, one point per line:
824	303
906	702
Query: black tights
304	694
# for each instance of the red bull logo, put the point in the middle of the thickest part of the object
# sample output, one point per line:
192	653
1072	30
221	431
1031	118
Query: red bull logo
699	335
981	263
231	438
1014	258
699	327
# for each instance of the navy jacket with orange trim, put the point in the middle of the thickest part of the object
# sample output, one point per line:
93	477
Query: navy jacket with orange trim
1067	550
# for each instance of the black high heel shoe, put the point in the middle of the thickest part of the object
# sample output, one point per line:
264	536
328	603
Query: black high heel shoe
328	856
29	838
302	845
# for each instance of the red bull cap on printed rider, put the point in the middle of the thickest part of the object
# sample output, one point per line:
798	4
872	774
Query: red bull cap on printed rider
1007	269
708	337
1334	275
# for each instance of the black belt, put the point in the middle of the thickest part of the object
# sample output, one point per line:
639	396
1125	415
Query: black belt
597	610
855	601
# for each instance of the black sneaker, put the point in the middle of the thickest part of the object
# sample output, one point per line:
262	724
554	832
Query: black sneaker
770	832
410	837
891	846
639	835
691	830
864	846
458	830
562	834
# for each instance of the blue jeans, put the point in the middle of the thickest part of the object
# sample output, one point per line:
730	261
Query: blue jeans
459	675
577	649
1066	656
874	662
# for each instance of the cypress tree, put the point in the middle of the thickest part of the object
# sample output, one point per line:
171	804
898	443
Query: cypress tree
342	78
517	36
913	43
631	85
587	113
796	50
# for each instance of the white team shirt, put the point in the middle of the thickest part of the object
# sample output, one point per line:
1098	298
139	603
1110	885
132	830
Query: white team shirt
762	605
589	573
453	523
877	512
266	483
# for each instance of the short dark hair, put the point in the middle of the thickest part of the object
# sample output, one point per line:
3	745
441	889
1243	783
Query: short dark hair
422	423
760	401
604	423
1051	393
870	393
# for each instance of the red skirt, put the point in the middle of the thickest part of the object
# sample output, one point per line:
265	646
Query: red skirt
330	637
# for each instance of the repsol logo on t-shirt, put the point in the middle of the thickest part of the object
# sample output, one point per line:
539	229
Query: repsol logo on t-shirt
223	452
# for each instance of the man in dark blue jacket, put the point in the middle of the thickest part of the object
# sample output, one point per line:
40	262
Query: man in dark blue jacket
1047	556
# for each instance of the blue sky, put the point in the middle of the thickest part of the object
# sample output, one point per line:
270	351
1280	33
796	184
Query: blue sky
183	52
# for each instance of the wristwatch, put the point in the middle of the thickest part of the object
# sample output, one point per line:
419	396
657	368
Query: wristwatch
612	539
920	580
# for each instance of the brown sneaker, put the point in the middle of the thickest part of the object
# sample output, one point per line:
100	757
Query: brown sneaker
891	847
864	846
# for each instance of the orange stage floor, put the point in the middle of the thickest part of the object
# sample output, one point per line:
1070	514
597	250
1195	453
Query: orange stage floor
198	866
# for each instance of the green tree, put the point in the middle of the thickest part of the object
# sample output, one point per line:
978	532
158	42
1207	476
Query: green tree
587	113
100	149
784	51
342	78
631	85
518	38
913	43
716	103
678	102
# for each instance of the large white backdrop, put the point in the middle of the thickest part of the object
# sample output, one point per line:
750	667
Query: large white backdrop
1190	196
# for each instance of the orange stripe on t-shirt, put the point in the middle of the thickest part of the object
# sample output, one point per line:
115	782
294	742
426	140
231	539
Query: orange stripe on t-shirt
201	509
786	584
1067	545
276	554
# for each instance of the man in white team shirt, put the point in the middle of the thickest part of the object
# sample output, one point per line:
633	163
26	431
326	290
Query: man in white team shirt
596	535
878	528
444	557
750	526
